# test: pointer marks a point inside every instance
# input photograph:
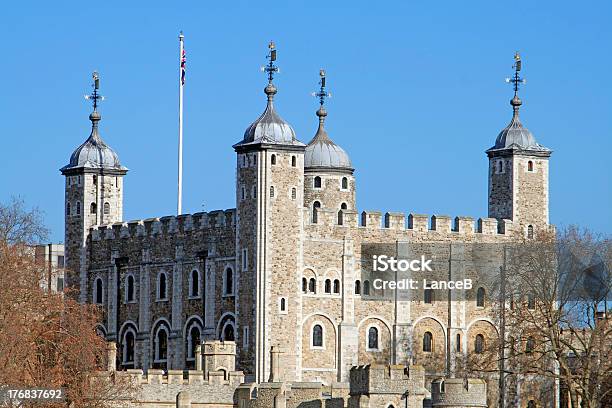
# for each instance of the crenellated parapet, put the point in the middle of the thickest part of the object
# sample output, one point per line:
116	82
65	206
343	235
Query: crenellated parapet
180	377
165	226
437	226
377	378
459	393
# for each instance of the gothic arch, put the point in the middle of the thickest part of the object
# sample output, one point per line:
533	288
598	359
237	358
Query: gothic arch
383	352
316	358
227	318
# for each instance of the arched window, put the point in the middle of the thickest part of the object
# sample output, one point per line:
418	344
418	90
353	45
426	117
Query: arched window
529	165
336	286
530	231
343	206
458	342
530	301
106	208
480	297
93	208
193	341
78	208
530	346
479	344
315	211
304	285
195	283
128	349
293	193
373	338
317	335
312	285
229	282
317	182
344	183
327	285
293	161
283	304
340	218
273	159
68	209
271	191
162	286
161	346
366	287
129	288
427	342
357	287
228	333
428	295
98	291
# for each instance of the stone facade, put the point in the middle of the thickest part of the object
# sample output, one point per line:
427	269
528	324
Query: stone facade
278	271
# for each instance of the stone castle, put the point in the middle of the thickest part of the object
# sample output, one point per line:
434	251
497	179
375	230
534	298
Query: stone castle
283	269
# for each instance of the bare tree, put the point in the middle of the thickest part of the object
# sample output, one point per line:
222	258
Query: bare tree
47	340
555	294
18	225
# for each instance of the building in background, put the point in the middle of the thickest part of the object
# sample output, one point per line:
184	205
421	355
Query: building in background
51	257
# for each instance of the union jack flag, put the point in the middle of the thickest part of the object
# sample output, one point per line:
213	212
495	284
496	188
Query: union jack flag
183	62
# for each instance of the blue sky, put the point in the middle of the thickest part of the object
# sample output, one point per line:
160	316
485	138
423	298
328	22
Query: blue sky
418	95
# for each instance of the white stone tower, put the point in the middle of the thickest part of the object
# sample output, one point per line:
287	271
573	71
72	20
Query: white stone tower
518	172
93	195
269	199
329	184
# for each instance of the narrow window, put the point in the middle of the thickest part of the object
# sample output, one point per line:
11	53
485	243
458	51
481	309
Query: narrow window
327	286
336	286
130	289
245	336
530	345
93	208
68	209
317	336
271	191
293	161
500	166
60	261
529	165
128	348
162	345
254	159
344	183
273	159
193	341
228	333
427	342
244	160
480	297
95	180
293	193
60	284
373	338
243	193
530	301
357	287
283	304
229	281
458	342
98	291
304	285
78	208
254	193
530	231
312	285
479	344
366	287
161	286
315	211
340	217
195	283
317	182
106	208
245	259
428	296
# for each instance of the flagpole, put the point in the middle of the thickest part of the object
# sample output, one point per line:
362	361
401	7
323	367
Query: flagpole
179	206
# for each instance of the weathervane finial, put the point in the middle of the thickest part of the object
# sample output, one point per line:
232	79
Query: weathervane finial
95	96
322	94
271	69
516	81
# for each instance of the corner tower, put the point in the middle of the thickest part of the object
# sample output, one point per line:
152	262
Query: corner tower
328	172
93	194
518	171
269	188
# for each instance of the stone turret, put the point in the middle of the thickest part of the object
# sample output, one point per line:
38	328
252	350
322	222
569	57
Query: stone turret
459	393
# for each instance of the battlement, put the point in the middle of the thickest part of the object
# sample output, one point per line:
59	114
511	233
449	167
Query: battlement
373	378
190	377
164	226
435	225
459	393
